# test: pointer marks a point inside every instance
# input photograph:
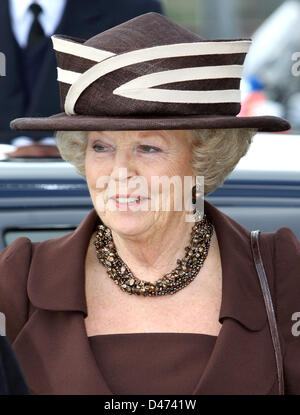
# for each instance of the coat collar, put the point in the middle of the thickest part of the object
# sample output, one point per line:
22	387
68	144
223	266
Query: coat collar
56	276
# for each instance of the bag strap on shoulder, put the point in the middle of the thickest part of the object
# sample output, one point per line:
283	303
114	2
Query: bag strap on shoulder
269	306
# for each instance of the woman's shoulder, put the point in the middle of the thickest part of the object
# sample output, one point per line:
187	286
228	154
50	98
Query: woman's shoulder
283	247
287	241
287	303
287	275
19	245
14	266
14	259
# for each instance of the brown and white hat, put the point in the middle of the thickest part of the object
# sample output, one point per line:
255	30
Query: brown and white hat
146	74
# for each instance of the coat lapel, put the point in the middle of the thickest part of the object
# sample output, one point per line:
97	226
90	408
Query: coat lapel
242	363
55	355
53	347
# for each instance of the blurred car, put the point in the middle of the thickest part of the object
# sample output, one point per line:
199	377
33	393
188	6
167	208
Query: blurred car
43	199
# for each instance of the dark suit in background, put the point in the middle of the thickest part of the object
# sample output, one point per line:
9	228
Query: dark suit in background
11	378
82	19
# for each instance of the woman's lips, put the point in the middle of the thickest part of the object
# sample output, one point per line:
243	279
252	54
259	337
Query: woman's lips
126	201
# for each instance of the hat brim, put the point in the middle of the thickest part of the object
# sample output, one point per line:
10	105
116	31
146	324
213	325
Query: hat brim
65	122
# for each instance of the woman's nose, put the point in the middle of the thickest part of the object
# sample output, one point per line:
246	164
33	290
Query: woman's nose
123	165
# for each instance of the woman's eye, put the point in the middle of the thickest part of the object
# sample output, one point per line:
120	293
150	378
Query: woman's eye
98	148
150	149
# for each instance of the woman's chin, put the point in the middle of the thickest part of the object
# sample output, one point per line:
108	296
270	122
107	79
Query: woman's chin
128	222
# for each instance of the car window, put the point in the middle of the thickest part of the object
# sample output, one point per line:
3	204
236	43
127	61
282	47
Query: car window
35	235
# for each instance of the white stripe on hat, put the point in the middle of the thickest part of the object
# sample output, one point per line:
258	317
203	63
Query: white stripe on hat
187	97
80	50
139	86
145	55
164	77
67	77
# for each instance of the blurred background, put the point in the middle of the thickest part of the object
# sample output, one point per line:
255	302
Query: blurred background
271	78
221	18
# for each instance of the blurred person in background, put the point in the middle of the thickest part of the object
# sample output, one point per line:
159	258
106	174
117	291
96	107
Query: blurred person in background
272	67
29	87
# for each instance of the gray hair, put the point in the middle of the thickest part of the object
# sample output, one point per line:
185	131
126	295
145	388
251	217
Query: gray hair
215	152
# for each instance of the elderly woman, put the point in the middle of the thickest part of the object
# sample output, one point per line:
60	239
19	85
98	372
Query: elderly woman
140	299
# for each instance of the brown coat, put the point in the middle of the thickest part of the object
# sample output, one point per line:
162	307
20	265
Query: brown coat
42	294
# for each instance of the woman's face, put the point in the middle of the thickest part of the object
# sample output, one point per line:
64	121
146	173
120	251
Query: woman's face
120	167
